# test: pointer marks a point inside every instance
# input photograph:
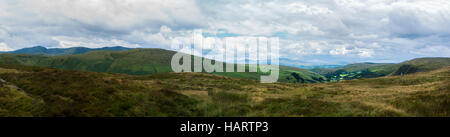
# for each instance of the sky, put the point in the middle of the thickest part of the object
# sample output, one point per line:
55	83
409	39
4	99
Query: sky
311	32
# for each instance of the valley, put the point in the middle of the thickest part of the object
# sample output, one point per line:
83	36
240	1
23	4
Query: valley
139	82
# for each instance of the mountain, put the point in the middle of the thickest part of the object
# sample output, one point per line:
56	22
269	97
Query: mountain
46	92
372	70
63	51
421	64
140	62
153	61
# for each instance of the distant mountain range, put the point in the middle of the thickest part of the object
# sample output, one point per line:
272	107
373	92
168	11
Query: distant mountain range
152	61
70	84
81	50
133	61
318	66
63	51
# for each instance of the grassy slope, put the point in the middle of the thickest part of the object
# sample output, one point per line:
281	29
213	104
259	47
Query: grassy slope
137	62
35	91
370	70
421	65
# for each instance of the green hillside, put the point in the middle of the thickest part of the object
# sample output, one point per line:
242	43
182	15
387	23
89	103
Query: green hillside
421	65
357	71
39	91
154	61
372	70
139	62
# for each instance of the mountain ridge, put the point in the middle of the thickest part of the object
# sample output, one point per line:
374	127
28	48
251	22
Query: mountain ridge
63	51
140	61
143	61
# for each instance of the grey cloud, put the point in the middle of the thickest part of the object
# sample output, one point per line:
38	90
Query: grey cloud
333	31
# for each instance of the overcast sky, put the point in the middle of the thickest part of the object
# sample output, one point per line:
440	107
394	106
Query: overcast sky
311	32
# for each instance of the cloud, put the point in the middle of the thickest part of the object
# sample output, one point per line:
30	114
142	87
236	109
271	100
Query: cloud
333	31
161	39
433	51
67	42
120	14
4	47
39	21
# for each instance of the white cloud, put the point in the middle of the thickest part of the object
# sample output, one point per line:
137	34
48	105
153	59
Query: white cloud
352	51
4	47
67	42
160	39
433	51
119	14
367	36
306	9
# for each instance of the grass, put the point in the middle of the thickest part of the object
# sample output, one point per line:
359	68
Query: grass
40	91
